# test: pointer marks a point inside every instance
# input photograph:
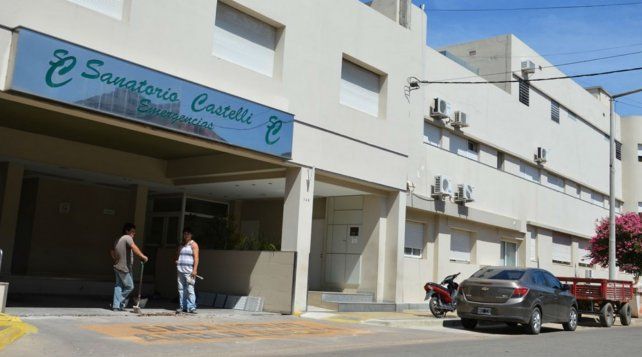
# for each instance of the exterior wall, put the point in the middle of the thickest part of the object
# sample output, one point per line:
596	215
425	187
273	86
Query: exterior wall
305	83
631	137
265	274
76	242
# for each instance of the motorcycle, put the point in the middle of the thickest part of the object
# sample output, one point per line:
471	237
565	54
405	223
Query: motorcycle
442	298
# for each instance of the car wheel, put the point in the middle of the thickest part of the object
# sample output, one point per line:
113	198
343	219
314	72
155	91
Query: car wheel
625	314
434	307
571	324
469	324
607	315
534	326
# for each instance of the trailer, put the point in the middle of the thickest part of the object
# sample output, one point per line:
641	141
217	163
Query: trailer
602	297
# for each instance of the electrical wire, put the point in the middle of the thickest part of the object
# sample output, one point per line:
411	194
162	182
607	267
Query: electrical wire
629	104
566	7
553	65
411	79
552	54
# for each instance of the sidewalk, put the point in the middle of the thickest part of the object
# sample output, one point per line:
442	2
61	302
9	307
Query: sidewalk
406	319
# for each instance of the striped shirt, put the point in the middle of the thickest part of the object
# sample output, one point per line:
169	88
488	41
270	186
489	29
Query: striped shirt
185	263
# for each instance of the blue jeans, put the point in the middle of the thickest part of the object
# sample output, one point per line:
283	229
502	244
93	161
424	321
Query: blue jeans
186	296
124	286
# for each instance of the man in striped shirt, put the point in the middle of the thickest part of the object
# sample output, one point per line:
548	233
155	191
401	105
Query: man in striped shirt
187	269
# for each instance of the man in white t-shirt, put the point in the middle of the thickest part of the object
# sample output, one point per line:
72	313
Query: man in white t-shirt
123	258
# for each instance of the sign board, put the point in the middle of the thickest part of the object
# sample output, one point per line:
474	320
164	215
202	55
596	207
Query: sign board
60	71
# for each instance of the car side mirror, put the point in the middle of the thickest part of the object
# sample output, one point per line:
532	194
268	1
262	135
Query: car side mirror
565	287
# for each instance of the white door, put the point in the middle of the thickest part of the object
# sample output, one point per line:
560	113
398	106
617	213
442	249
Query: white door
344	245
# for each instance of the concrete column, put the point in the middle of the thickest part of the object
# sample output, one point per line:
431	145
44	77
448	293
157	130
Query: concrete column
297	228
10	187
393	253
442	248
140	212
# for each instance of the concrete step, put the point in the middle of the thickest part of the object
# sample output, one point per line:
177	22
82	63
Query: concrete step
367	307
346	297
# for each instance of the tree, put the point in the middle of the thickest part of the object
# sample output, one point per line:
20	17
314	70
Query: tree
628	244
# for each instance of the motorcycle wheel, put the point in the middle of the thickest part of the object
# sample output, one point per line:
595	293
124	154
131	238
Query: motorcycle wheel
434	307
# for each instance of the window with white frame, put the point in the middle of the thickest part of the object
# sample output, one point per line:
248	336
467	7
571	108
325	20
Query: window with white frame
111	8
640	152
639	207
508	254
432	135
532	243
414	240
460	246
529	172
464	147
360	88
244	40
573	188
554	182
584	254
597	198
562	249
618	206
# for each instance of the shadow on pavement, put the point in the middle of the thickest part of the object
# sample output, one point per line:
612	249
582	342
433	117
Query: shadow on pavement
498	328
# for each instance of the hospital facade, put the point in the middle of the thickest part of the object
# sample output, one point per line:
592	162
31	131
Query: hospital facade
293	139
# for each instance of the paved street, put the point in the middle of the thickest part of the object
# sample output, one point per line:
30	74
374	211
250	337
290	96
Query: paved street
219	332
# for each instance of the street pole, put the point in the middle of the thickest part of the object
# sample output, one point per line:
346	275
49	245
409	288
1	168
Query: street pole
612	191
612	260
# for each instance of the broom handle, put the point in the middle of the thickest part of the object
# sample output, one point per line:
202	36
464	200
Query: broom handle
140	285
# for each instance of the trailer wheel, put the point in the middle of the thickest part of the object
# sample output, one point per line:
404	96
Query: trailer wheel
607	315
625	314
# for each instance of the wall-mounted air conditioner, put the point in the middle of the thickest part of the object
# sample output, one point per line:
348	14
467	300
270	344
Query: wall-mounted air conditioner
464	194
528	67
443	187
440	109
461	120
540	156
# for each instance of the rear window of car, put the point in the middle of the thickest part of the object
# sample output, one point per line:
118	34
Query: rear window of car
499	274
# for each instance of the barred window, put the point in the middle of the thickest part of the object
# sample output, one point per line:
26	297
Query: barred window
618	150
524	92
555	111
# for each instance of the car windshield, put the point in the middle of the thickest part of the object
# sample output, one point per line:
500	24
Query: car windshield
499	274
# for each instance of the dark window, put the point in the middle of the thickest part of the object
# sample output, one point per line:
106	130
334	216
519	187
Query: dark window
473	146
552	281
618	150
500	160
640	152
538	278
499	274
555	111
524	92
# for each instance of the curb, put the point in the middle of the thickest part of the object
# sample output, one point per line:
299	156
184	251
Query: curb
415	323
12	328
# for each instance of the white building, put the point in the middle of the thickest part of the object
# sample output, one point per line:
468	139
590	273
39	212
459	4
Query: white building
287	123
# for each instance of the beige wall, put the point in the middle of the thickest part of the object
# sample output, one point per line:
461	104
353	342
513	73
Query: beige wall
632	179
76	243
264	274
308	78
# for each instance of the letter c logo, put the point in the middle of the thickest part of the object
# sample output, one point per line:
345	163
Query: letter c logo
273	128
60	67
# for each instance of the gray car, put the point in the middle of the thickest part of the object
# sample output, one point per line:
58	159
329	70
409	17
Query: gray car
516	296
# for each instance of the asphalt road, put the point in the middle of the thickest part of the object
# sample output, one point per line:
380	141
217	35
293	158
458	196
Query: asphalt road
223	333
602	342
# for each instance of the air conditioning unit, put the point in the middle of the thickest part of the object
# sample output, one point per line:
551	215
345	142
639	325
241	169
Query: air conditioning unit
464	194
461	120
528	67
441	109
443	187
540	156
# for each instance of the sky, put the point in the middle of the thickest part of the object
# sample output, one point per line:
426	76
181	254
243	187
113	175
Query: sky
552	32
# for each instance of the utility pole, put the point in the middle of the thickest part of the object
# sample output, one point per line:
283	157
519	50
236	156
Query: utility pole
612	181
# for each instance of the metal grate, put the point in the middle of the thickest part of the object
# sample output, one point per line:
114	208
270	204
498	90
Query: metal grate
618	150
555	111
524	92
